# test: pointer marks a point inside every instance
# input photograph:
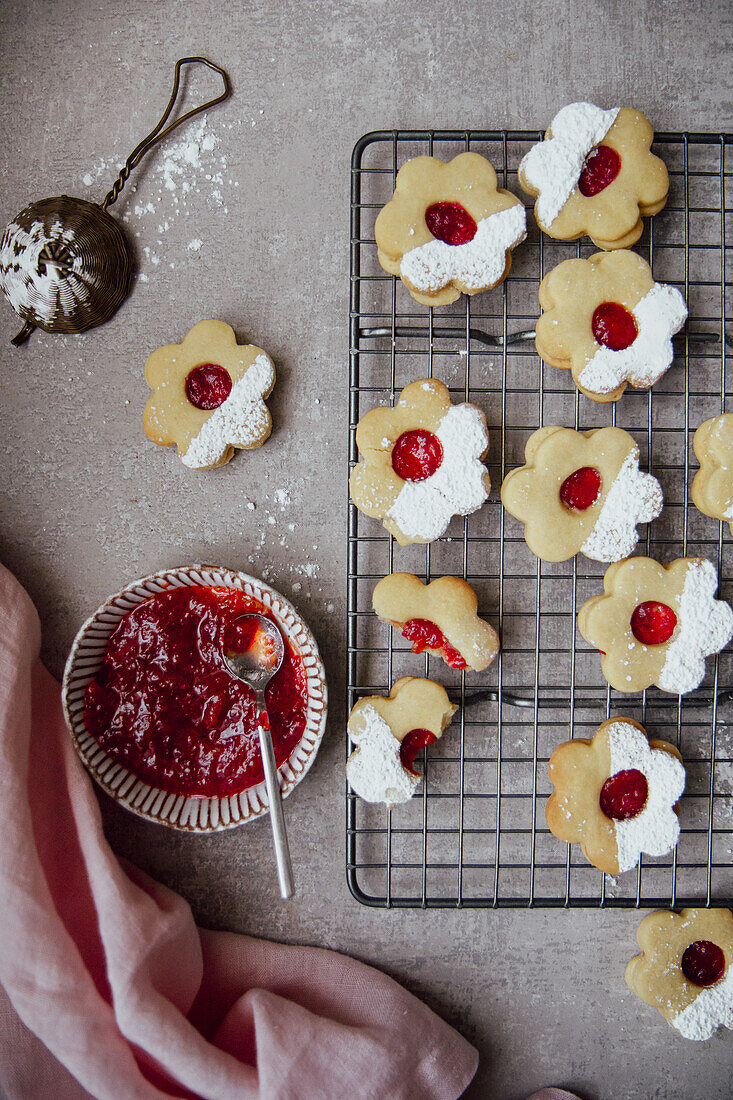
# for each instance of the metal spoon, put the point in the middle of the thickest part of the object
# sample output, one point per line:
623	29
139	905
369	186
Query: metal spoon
256	666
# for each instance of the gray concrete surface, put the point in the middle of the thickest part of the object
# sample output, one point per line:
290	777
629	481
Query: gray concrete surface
88	503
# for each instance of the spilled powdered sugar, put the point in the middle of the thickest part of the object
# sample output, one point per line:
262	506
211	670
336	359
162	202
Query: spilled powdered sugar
478	264
374	769
712	1008
423	509
705	627
634	497
240	421
656	829
659	315
553	167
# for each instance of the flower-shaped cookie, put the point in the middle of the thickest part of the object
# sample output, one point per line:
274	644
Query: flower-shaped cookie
615	795
208	395
421	462
686	969
439	617
656	624
388	734
449	229
608	322
712	487
594	174
581	492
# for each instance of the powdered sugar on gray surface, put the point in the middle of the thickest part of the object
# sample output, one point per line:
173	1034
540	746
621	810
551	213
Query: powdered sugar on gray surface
705	627
656	829
477	264
423	509
553	167
374	769
241	421
659	315
634	497
712	1008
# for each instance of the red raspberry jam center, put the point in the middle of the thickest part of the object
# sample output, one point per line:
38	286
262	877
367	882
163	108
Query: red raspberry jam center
653	623
426	635
581	489
450	222
703	962
614	326
417	455
624	794
208	386
601	167
412	742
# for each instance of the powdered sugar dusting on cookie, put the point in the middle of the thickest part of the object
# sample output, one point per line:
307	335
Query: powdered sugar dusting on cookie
711	1009
634	497
553	167
478	264
656	829
705	626
241	421
374	770
659	315
423	509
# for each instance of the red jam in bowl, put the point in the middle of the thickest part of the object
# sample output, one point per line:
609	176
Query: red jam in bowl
624	794
614	326
703	963
426	635
581	489
601	167
208	386
417	455
163	703
411	745
450	222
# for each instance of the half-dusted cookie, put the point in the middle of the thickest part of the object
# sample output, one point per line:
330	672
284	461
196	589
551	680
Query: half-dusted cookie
208	396
389	732
656	624
615	795
685	969
712	487
449	229
594	173
581	492
608	322
439	617
421	462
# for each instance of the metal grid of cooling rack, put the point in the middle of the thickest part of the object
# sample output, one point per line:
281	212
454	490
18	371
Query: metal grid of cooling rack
475	833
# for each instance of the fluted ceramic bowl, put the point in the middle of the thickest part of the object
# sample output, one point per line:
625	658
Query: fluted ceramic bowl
191	813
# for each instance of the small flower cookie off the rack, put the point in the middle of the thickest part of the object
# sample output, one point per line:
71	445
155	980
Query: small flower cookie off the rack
686	969
421	462
606	320
581	493
656	624
208	396
594	173
439	617
449	229
389	732
615	795
712	487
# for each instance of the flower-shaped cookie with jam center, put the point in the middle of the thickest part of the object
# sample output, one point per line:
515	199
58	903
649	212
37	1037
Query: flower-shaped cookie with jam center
208	396
608	322
686	969
439	617
449	229
615	795
594	173
712	487
421	462
581	493
389	732
656	624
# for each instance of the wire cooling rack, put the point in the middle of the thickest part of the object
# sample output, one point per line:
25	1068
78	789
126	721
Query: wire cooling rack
475	832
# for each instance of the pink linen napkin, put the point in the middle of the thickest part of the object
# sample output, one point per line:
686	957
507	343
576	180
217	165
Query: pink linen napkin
128	998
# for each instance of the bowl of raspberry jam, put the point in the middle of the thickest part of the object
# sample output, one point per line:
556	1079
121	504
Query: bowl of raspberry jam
159	721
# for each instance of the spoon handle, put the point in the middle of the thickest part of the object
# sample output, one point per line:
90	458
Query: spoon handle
277	819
